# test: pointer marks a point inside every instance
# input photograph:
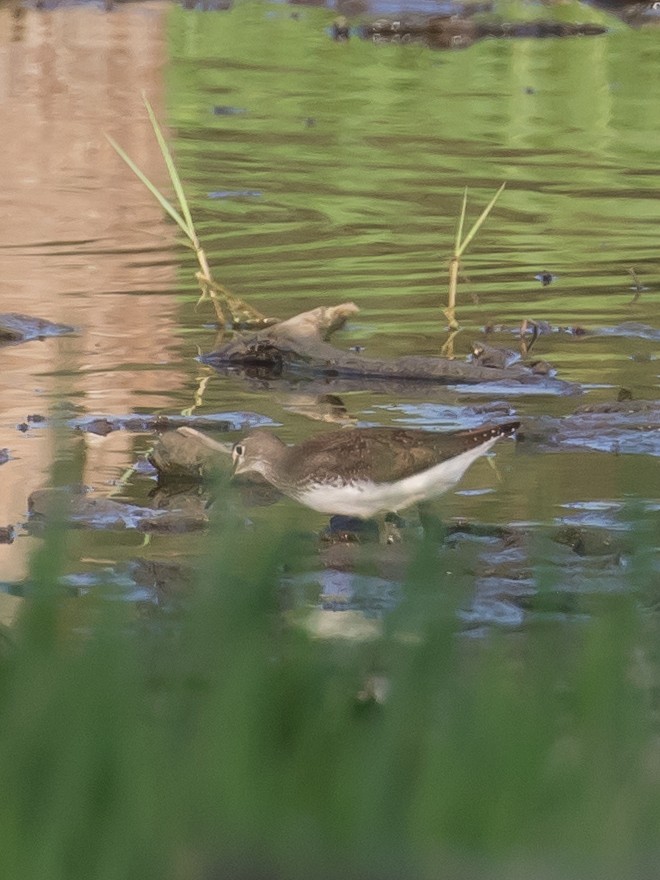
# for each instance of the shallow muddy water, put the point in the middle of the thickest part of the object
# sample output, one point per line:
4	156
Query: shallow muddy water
323	172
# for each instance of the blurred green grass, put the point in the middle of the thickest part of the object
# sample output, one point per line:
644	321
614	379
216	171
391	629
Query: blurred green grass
225	741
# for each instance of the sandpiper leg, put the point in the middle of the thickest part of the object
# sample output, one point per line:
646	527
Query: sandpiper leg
432	526
389	531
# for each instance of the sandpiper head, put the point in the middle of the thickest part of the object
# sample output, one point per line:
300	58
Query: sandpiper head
257	452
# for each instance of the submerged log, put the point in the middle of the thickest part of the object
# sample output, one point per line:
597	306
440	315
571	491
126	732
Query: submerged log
449	32
299	347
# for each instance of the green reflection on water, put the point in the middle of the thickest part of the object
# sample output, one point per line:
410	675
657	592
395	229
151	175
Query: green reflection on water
359	153
360	150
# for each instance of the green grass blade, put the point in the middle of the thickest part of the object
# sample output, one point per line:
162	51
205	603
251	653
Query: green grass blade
171	168
479	221
167	206
461	221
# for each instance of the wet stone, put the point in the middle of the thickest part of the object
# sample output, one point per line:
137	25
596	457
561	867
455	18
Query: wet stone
7	534
15	327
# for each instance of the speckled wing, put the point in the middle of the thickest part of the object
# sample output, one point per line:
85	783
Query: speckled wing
381	454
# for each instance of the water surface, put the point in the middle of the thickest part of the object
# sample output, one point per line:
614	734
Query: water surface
320	172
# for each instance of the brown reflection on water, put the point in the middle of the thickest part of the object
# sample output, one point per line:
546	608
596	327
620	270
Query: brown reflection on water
80	236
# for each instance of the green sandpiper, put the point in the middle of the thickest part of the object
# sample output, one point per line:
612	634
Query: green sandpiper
364	472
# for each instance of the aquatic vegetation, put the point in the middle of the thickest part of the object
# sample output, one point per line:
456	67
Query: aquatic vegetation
231	311
460	245
219	736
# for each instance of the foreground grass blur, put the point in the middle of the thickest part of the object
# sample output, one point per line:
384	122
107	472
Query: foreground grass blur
228	743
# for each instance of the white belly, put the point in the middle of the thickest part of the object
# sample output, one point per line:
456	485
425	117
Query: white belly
366	499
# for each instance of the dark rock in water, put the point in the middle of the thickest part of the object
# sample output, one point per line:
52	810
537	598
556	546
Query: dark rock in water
208	5
542	368
625	330
635	14
168	582
617	426
545	278
187	454
625	406
82	509
225	110
235	194
102	425
350	528
593	542
629	330
22	328
443	32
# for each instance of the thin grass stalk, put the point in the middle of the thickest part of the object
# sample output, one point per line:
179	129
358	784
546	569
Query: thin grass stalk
229	308
460	244
450	311
153	189
460	224
447	350
174	174
209	287
454	267
476	226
